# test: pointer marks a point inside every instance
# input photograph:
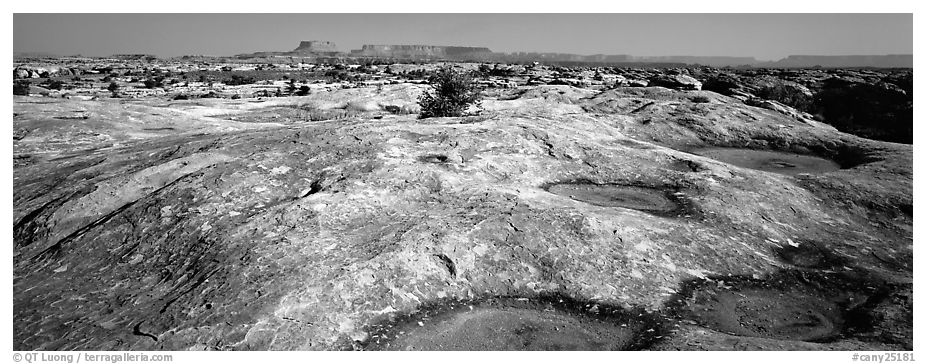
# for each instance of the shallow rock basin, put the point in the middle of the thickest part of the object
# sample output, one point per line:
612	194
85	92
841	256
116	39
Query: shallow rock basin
770	314
770	161
510	325
794	305
810	255
630	197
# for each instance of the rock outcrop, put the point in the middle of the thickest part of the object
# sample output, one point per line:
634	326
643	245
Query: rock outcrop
677	82
284	234
28	71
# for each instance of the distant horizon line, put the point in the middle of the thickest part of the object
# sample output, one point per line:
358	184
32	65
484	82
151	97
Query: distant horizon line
432	45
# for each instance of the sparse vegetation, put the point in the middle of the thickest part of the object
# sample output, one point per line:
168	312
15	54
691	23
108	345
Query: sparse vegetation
113	88
237	80
452	92
153	82
21	88
291	87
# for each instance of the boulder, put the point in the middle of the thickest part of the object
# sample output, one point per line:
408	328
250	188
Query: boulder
637	83
20	73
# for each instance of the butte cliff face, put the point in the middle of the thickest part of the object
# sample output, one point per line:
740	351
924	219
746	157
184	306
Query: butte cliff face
418	51
316	46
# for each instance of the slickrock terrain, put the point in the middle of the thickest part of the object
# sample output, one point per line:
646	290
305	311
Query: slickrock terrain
559	217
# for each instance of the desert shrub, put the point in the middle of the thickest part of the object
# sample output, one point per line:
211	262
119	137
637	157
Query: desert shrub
452	92
114	88
291	86
337	75
303	91
237	80
21	88
153	82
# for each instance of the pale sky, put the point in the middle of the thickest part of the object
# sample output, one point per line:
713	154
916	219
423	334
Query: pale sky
764	36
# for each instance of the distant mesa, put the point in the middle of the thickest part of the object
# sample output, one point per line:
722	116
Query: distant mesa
134	57
306	48
884	61
316	46
322	49
717	61
419	51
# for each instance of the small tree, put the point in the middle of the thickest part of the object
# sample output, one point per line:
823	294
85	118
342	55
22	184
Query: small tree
153	82
114	88
291	86
453	92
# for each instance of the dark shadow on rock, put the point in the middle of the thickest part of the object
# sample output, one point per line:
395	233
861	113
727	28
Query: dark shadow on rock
685	165
433	158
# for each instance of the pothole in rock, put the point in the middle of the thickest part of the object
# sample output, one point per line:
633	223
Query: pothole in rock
515	324
685	165
770	161
791	306
630	143
808	254
666	202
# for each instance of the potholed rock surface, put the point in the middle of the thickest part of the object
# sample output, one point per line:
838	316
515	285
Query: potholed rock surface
232	225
